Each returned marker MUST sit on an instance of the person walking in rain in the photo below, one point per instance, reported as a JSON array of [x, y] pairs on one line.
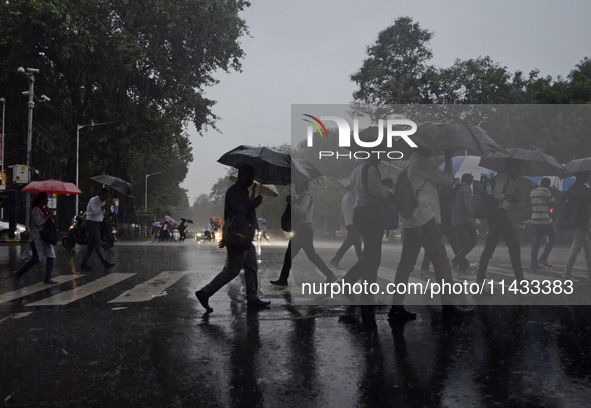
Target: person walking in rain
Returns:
[[303, 237], [507, 193], [542, 224], [463, 225], [353, 237], [421, 229], [38, 248], [182, 228], [579, 196], [95, 213], [237, 202], [366, 184]]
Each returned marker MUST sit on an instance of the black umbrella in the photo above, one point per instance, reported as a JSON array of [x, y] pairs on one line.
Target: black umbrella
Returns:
[[532, 163], [440, 137], [187, 220], [271, 167], [577, 166], [303, 171], [115, 183]]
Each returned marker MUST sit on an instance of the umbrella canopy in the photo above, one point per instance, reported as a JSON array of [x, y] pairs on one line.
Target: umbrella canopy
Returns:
[[561, 184], [271, 167], [171, 221], [533, 163], [187, 220], [468, 164], [216, 221], [264, 223], [303, 170], [51, 187], [268, 190], [115, 183], [439, 137], [157, 224], [577, 166]]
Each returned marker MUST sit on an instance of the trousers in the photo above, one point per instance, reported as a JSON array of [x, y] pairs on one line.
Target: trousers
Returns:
[[235, 261], [539, 231], [95, 243], [499, 227], [303, 238], [353, 239], [580, 241], [426, 236]]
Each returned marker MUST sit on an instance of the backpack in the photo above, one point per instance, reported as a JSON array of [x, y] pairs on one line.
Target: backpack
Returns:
[[238, 231], [405, 198], [385, 208], [483, 202], [565, 214]]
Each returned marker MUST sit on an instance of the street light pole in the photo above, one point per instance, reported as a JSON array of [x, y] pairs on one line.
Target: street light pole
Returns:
[[3, 100], [146, 190], [30, 75], [78, 127]]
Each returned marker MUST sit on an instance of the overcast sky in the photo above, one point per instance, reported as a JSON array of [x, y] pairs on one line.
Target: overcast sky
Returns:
[[304, 52]]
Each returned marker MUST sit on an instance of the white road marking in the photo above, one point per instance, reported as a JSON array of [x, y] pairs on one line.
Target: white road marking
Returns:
[[83, 291], [21, 315], [38, 287], [150, 289]]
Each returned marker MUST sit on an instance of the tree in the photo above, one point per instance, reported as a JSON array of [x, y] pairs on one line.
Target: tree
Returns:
[[396, 70], [141, 64]]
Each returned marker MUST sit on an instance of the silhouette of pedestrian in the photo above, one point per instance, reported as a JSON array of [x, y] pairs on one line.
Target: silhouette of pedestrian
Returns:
[[579, 196], [303, 237], [507, 193], [237, 202]]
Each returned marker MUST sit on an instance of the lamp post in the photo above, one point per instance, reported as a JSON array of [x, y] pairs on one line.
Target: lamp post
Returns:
[[29, 72], [3, 100], [78, 127], [146, 192]]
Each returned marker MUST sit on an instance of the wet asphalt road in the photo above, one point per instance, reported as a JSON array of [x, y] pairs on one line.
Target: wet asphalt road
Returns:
[[160, 350]]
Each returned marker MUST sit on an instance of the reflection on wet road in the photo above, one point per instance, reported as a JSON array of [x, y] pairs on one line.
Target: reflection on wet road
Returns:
[[161, 350]]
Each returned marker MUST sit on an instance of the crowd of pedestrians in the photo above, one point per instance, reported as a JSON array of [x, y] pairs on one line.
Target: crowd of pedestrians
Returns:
[[442, 211]]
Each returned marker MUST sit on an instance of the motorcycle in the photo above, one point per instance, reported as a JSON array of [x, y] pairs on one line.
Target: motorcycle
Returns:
[[78, 233]]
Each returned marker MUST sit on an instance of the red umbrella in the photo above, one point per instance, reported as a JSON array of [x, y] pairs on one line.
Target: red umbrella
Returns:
[[51, 187]]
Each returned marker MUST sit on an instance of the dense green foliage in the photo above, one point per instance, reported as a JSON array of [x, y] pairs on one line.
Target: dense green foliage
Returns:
[[142, 65]]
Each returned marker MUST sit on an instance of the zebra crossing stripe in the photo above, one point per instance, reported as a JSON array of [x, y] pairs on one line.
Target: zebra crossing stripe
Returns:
[[150, 289], [85, 290], [38, 287]]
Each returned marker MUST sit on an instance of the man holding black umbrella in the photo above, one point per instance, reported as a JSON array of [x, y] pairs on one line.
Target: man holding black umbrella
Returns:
[[95, 213], [237, 202]]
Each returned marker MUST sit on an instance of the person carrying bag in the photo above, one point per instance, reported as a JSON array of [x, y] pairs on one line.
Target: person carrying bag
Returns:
[[41, 225]]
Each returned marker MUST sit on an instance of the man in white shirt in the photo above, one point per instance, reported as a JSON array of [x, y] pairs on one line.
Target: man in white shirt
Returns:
[[421, 230], [95, 213]]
